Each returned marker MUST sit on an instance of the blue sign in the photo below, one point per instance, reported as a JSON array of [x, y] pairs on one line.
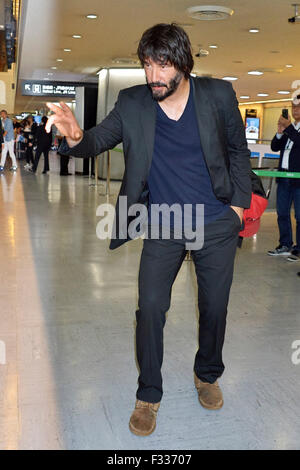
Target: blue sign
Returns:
[[252, 128]]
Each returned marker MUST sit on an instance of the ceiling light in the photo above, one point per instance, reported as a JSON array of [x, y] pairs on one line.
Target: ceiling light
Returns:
[[67, 50], [59, 60], [213, 46], [255, 72], [254, 30], [230, 78], [76, 36], [210, 12], [91, 17], [244, 97], [262, 94], [54, 68], [289, 66], [202, 53], [283, 92]]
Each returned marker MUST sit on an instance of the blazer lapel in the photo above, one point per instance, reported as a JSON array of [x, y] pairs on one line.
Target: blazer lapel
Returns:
[[207, 119], [148, 121]]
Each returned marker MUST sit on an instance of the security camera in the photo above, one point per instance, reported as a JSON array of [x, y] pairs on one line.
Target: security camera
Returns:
[[296, 18], [202, 53]]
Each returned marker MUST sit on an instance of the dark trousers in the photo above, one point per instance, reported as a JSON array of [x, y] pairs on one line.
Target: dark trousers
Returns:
[[160, 263], [38, 154], [64, 162], [29, 154], [287, 194]]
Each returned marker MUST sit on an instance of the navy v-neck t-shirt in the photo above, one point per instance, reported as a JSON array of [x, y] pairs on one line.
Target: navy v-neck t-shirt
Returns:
[[178, 172]]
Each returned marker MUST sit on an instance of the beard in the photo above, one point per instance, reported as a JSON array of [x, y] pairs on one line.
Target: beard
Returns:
[[168, 89]]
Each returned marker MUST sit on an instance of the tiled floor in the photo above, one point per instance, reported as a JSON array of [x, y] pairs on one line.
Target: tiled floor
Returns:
[[67, 319]]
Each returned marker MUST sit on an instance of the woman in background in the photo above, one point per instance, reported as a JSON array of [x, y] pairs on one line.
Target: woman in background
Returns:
[[29, 133], [43, 141]]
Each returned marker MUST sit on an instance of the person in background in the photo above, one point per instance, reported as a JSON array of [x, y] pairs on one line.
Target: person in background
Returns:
[[23, 123], [26, 134], [29, 133], [16, 123], [287, 140], [20, 142], [1, 136], [43, 140], [17, 126], [19, 134], [8, 146], [64, 159]]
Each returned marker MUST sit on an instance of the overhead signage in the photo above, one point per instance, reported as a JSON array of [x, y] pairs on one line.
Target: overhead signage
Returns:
[[51, 89]]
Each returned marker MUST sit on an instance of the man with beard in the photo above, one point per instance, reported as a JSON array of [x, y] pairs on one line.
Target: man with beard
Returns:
[[184, 143]]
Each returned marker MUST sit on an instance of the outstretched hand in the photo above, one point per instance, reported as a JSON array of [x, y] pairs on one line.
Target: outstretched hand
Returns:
[[65, 121]]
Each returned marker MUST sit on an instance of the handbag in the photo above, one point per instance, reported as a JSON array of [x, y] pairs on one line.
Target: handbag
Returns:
[[259, 203]]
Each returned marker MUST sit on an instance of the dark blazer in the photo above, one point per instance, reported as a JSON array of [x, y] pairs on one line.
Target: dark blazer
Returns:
[[132, 121], [294, 160]]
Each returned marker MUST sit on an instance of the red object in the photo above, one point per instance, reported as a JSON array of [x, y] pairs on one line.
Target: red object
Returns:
[[252, 215]]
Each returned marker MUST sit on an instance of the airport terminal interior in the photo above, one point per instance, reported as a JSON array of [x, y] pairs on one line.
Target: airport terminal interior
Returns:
[[68, 365]]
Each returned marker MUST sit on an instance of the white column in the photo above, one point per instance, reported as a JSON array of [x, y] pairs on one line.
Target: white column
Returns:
[[79, 114]]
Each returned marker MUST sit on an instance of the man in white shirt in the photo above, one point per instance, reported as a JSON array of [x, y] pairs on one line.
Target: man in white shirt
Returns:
[[287, 140]]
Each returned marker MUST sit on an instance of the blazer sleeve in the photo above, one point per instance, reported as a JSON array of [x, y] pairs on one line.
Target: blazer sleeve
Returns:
[[238, 152], [278, 144], [292, 134], [98, 139]]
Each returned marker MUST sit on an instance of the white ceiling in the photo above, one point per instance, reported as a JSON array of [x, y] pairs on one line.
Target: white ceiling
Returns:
[[48, 26]]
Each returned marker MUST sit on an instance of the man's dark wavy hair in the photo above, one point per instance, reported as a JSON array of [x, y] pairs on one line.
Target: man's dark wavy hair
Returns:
[[167, 43]]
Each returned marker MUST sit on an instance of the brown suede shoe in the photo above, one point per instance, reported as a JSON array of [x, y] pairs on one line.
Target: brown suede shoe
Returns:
[[143, 418], [210, 395]]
